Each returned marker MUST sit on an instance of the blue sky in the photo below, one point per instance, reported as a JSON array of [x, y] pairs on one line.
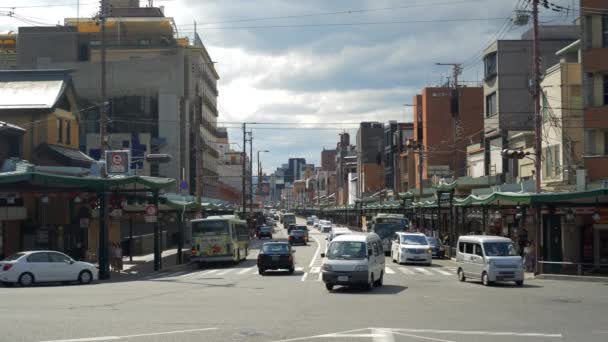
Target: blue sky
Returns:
[[323, 64]]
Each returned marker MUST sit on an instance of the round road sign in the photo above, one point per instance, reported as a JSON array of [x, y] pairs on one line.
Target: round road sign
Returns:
[[183, 185], [151, 210], [116, 159]]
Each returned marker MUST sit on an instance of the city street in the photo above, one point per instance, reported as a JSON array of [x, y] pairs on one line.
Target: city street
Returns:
[[234, 303]]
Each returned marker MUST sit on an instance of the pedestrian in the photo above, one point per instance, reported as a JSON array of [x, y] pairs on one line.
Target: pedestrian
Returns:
[[118, 257]]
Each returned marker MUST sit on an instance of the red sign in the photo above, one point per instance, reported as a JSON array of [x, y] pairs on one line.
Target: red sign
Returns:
[[151, 210]]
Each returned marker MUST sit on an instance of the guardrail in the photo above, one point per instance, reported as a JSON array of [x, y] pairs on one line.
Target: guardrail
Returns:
[[573, 268]]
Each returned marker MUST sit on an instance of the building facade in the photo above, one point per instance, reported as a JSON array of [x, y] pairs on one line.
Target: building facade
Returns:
[[370, 146]]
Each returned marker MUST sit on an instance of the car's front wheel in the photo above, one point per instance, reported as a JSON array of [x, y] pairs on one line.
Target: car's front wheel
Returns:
[[461, 276], [26, 279], [85, 277], [519, 283], [485, 280], [329, 287]]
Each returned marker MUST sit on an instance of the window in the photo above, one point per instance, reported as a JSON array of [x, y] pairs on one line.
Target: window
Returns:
[[144, 42], [468, 248], [375, 247], [548, 162], [491, 105], [461, 247], [59, 130], [605, 142], [38, 257], [605, 90], [590, 149], [490, 65], [95, 43], [478, 250], [58, 257], [605, 30], [68, 132]]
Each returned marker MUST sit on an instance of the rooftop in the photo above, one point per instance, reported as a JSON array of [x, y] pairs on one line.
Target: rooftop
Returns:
[[33, 89]]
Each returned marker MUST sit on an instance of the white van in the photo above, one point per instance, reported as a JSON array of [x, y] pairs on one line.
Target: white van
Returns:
[[411, 248], [490, 259], [335, 232], [354, 259]]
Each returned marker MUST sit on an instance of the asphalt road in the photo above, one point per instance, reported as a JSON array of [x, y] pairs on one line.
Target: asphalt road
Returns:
[[234, 303]]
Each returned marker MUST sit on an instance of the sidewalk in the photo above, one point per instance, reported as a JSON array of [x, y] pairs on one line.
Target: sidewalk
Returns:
[[143, 265]]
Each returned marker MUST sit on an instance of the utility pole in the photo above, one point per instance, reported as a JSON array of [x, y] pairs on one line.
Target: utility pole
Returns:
[[103, 119], [251, 172], [536, 94], [244, 169]]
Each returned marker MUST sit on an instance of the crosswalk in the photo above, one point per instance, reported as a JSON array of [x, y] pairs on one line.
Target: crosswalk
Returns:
[[306, 273]]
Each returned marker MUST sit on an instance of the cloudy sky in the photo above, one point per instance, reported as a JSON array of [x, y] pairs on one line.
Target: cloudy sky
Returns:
[[323, 64]]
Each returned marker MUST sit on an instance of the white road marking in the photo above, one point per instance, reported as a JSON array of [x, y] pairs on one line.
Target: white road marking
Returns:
[[312, 262], [423, 270], [471, 332], [245, 270], [337, 334], [256, 272], [115, 338], [320, 276], [422, 337], [226, 271], [315, 269], [389, 270], [382, 335], [304, 276], [299, 269], [442, 272], [209, 272], [406, 271]]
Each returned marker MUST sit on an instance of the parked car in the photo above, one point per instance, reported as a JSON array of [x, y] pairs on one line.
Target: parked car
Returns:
[[29, 268], [489, 259], [265, 231], [354, 259], [297, 236], [275, 256], [436, 247], [411, 248]]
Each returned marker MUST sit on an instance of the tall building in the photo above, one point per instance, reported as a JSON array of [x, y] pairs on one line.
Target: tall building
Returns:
[[445, 129], [295, 169], [594, 51], [370, 147], [161, 89], [508, 102], [395, 137], [346, 163], [328, 160]]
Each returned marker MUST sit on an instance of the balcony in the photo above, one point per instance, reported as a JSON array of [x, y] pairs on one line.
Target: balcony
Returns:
[[596, 167]]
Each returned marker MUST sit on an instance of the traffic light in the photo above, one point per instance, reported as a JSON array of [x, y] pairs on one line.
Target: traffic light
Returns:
[[514, 154]]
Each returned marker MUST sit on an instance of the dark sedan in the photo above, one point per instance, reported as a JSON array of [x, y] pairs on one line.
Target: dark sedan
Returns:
[[265, 232], [305, 229], [276, 256], [290, 228], [297, 236], [437, 247]]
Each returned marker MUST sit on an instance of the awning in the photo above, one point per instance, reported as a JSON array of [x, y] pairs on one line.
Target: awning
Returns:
[[64, 155]]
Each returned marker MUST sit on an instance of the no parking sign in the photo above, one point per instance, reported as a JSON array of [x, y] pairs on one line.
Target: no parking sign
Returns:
[[117, 162]]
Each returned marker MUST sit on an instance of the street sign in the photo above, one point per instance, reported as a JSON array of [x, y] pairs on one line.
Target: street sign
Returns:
[[183, 185], [117, 162], [151, 214]]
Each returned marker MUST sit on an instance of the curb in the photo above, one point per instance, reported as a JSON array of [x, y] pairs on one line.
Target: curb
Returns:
[[585, 279]]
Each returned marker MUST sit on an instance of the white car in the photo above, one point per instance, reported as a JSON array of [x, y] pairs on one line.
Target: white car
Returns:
[[28, 268], [335, 232], [411, 248]]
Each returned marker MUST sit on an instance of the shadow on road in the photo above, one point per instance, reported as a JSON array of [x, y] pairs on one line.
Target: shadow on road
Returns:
[[384, 290]]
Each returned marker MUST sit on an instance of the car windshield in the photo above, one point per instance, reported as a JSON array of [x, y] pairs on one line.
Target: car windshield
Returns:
[[297, 232], [499, 249], [386, 230], [347, 250], [14, 257], [276, 248], [302, 227], [414, 240], [432, 241], [265, 229]]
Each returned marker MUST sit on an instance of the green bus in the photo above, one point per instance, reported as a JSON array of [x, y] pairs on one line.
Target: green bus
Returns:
[[219, 239], [386, 225]]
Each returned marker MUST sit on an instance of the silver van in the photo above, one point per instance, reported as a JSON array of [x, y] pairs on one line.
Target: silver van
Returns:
[[354, 259], [489, 259]]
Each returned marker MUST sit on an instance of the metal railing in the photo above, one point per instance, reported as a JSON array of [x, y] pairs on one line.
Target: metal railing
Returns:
[[573, 268]]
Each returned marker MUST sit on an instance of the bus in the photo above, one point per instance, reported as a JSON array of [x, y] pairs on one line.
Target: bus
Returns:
[[289, 218], [386, 225], [219, 239]]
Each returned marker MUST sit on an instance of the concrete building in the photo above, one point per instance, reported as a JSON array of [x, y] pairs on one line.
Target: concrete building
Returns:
[[328, 160], [161, 88], [295, 169], [508, 103], [395, 138], [445, 127], [370, 146], [594, 46], [563, 132], [346, 163]]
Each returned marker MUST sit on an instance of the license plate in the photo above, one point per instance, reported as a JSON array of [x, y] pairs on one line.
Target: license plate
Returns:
[[275, 258], [342, 278]]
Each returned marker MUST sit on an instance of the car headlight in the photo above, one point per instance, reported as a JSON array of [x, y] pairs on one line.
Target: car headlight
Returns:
[[326, 267], [361, 268], [429, 251]]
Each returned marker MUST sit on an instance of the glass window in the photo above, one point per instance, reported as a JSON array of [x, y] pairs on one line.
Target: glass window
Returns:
[[461, 247], [68, 132], [500, 249], [468, 248], [346, 250], [14, 257], [415, 240], [375, 248], [58, 257], [605, 30], [590, 142], [59, 130], [490, 65], [210, 227], [606, 90], [491, 105], [276, 248], [478, 250], [38, 257]]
